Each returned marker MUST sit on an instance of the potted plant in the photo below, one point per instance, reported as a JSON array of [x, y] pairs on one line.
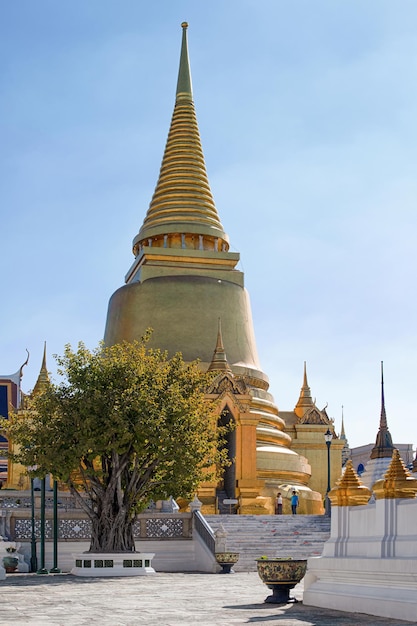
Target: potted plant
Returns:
[[280, 574], [10, 562]]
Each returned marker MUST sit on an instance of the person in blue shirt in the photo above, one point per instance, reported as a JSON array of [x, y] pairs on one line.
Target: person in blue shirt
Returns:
[[294, 502]]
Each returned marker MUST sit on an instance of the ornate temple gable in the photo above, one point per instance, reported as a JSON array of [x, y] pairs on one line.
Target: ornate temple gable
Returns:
[[315, 416], [225, 386], [227, 383]]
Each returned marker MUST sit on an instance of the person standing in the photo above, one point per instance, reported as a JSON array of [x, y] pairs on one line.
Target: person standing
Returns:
[[294, 502], [278, 506]]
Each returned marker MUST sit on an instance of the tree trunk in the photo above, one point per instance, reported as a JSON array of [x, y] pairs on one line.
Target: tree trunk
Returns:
[[112, 520], [112, 532]]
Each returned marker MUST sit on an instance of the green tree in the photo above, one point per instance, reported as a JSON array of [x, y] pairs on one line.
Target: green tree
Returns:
[[126, 425]]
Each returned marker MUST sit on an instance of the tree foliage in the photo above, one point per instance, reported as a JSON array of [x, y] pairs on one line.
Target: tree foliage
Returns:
[[126, 425]]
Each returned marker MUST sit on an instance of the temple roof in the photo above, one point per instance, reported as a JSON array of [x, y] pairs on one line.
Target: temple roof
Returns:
[[383, 445], [182, 201]]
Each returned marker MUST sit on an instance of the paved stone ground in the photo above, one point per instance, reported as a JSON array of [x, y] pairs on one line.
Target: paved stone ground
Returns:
[[160, 600]]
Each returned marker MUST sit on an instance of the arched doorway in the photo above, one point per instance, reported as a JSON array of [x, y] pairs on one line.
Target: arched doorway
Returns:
[[229, 477]]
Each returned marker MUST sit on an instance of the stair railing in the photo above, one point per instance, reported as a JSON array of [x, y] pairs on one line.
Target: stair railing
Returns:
[[205, 531]]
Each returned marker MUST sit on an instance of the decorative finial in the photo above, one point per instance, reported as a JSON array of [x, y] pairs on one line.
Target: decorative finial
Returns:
[[184, 87], [24, 364], [219, 361], [305, 383], [383, 414], [342, 432], [305, 400], [43, 378]]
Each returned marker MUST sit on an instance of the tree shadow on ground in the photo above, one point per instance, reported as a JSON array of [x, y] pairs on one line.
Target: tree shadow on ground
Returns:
[[34, 580]]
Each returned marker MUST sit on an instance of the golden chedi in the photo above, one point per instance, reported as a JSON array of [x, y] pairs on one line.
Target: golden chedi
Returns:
[[183, 280], [349, 491], [397, 482]]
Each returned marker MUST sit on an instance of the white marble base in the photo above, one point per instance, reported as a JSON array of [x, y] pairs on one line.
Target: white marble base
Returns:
[[113, 564], [369, 563], [382, 587], [175, 555]]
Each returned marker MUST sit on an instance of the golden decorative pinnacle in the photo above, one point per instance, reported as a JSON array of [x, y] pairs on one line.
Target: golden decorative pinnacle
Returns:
[[219, 361], [349, 491], [43, 378], [182, 203], [397, 482], [184, 24], [305, 401]]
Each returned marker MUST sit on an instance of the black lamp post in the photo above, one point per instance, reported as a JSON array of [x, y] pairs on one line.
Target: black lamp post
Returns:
[[328, 436], [55, 569], [33, 557], [42, 569]]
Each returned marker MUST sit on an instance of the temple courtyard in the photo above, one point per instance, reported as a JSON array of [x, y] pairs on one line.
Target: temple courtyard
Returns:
[[161, 599]]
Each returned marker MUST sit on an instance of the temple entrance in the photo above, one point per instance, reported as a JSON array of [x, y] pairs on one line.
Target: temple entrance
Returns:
[[227, 487]]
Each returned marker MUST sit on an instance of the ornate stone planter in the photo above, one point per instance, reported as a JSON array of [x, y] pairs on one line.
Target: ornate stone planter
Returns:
[[281, 575], [10, 564], [226, 560]]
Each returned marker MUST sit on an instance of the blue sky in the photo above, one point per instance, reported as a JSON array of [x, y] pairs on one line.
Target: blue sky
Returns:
[[307, 113]]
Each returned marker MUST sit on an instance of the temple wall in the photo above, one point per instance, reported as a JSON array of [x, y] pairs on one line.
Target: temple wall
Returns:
[[169, 535]]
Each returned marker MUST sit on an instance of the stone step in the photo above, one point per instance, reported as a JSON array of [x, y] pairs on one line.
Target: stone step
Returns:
[[253, 536]]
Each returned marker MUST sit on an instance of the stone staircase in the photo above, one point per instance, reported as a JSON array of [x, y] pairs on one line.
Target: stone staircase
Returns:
[[253, 536]]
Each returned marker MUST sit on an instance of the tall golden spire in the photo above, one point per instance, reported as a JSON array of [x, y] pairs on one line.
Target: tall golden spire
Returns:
[[43, 378], [182, 203], [383, 447], [305, 401]]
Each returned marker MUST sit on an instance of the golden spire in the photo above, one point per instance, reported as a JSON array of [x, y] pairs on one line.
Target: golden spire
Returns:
[[383, 447], [342, 432], [305, 400], [397, 482], [349, 491], [43, 378], [345, 450], [182, 203], [219, 361]]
